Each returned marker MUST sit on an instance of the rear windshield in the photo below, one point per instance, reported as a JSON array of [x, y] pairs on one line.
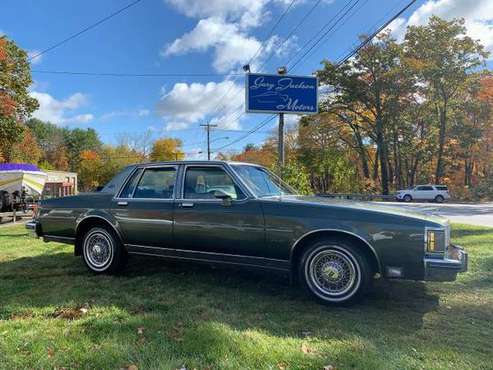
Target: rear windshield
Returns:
[[115, 183]]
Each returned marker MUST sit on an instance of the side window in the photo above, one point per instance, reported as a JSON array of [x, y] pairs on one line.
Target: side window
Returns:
[[423, 188], [129, 188], [157, 183], [202, 182]]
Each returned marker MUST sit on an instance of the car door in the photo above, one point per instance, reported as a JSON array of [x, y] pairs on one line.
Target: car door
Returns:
[[144, 207], [424, 192], [207, 224]]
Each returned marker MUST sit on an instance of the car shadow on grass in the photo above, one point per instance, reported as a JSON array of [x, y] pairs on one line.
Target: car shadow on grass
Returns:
[[237, 297]]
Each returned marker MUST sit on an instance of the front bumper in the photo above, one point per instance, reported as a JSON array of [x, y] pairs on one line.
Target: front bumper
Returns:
[[446, 269], [35, 227]]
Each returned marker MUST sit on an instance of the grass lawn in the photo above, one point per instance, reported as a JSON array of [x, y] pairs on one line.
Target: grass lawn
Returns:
[[55, 314]]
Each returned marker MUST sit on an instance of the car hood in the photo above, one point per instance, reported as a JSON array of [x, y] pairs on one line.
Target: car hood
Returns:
[[363, 206]]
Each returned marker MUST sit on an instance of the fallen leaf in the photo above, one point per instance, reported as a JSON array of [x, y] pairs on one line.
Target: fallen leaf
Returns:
[[132, 367], [282, 366], [329, 367], [140, 330], [305, 348], [51, 352]]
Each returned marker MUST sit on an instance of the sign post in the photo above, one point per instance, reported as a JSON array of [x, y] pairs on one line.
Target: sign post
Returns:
[[280, 94]]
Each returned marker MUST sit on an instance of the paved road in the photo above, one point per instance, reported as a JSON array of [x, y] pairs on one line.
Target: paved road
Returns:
[[472, 214]]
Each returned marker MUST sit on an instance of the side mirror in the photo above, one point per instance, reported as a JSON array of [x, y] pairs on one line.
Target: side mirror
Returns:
[[226, 198]]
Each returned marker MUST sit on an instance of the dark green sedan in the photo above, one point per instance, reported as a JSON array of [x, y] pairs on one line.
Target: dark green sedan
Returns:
[[242, 215]]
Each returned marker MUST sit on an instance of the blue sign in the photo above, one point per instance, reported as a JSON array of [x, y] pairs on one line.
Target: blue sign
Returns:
[[281, 94]]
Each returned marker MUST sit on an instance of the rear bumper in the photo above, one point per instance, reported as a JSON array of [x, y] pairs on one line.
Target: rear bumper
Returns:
[[35, 227], [448, 268]]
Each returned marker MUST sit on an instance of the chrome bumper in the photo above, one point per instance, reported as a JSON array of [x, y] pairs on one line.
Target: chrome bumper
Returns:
[[34, 226], [446, 269]]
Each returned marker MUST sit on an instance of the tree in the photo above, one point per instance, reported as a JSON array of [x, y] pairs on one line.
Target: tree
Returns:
[[78, 140], [27, 150], [442, 55], [16, 104], [369, 88], [167, 149], [263, 155]]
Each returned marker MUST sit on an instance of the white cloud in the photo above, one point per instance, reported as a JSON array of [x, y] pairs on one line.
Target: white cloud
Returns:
[[55, 111], [187, 104], [232, 47], [175, 125], [80, 118], [478, 17], [125, 113], [246, 12], [38, 59]]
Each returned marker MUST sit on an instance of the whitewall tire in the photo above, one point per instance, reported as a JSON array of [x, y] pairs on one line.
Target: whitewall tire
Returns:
[[335, 272], [102, 251]]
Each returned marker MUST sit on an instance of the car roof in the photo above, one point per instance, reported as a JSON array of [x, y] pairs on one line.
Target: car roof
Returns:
[[197, 162]]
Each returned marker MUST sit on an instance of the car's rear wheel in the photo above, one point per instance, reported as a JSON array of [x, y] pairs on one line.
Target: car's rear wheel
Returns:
[[407, 198], [335, 272], [439, 199], [102, 251]]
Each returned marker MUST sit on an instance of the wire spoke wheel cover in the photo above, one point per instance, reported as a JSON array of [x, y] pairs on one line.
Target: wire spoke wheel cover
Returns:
[[98, 249], [333, 273]]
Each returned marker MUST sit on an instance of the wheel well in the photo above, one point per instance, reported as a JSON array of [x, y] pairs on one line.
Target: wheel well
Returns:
[[363, 247], [84, 226]]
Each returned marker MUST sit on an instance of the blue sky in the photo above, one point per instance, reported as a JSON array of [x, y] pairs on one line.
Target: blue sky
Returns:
[[214, 37]]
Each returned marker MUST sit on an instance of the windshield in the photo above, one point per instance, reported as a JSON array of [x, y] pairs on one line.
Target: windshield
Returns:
[[262, 182]]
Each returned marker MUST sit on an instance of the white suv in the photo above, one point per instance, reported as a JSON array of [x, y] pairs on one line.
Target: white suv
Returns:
[[437, 193]]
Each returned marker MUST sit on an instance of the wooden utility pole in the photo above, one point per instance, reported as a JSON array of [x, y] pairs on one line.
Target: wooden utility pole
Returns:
[[208, 128], [280, 141]]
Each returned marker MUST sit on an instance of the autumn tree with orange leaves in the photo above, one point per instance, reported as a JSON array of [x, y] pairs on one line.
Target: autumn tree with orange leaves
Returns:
[[16, 104]]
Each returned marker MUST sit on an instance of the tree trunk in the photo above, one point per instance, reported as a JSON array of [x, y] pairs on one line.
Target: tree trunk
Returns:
[[441, 143]]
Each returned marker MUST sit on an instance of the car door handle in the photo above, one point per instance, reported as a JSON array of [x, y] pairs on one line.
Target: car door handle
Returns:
[[122, 204], [187, 204]]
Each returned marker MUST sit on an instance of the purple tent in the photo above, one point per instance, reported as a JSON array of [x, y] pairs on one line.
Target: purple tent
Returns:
[[18, 166]]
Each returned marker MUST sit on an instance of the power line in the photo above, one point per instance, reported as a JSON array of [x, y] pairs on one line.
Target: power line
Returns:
[[303, 19], [341, 62], [345, 12], [281, 17], [85, 29], [325, 39], [258, 127], [114, 74], [349, 7], [374, 34]]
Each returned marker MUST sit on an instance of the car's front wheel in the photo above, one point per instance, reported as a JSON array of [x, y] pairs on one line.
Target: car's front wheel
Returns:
[[102, 251], [335, 272], [439, 199]]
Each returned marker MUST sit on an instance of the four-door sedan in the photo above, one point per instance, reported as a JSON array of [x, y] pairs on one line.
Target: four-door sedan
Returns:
[[242, 215]]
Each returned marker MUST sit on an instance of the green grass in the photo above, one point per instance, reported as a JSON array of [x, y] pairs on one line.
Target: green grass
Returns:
[[55, 314]]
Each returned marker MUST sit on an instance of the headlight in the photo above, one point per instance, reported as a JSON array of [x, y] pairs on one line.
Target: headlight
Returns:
[[436, 240]]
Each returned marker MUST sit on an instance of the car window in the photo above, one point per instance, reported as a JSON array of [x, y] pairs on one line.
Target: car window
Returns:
[[116, 182], [157, 183], [423, 188], [129, 188], [441, 187], [262, 182], [203, 182]]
